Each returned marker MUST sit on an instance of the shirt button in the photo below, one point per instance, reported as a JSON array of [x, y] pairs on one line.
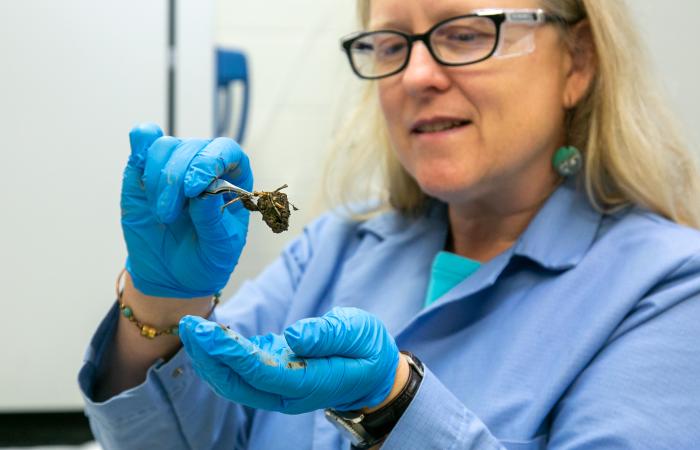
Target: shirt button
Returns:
[[177, 372]]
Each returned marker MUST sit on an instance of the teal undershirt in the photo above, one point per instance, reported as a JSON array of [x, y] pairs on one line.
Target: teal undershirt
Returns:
[[449, 269]]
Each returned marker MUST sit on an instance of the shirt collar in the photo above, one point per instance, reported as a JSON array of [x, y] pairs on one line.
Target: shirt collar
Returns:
[[557, 238], [562, 231]]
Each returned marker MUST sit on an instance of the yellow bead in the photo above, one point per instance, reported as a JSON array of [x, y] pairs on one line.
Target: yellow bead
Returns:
[[148, 332]]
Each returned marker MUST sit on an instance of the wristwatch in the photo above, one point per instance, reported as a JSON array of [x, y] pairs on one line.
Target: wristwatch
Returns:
[[366, 430]]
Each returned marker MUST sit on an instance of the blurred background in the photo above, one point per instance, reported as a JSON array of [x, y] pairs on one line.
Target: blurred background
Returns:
[[76, 75]]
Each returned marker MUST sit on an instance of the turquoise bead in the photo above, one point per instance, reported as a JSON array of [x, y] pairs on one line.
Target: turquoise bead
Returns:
[[127, 312], [174, 330]]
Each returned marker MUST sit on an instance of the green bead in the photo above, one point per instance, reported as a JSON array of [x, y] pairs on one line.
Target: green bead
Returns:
[[127, 312], [567, 161], [174, 330]]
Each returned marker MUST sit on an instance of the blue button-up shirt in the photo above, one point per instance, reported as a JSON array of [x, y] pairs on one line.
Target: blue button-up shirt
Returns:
[[583, 335]]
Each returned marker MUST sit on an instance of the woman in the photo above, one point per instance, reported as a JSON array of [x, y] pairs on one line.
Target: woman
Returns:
[[545, 304]]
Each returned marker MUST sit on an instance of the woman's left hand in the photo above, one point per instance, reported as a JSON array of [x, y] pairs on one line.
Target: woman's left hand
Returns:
[[345, 360]]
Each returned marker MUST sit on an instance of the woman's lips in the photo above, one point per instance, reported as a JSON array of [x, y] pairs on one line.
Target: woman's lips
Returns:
[[438, 125]]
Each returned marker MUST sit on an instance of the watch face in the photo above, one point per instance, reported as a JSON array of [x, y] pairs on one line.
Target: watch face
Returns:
[[346, 427], [353, 416]]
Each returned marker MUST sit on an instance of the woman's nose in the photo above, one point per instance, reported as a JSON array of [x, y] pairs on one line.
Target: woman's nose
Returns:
[[423, 72]]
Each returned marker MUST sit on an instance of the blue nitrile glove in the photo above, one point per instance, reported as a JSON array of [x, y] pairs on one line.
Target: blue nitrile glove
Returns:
[[345, 360], [181, 245]]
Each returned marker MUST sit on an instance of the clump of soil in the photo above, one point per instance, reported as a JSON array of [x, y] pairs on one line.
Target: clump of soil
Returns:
[[274, 207]]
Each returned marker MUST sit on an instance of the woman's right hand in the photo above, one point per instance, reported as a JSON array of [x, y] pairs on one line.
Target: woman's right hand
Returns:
[[179, 244]]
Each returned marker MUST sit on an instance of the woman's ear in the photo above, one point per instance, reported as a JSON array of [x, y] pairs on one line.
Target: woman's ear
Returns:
[[583, 63]]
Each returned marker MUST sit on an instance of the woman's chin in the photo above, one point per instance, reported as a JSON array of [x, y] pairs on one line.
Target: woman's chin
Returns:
[[448, 193]]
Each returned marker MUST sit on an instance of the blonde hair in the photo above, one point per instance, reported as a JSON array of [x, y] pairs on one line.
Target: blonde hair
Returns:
[[633, 151]]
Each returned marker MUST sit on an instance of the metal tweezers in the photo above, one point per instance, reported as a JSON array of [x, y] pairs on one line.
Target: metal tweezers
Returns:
[[220, 186]]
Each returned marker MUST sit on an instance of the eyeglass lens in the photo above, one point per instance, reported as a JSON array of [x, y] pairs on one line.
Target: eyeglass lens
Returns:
[[459, 41]]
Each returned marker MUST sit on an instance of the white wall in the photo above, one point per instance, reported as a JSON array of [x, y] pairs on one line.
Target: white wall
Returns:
[[671, 32], [298, 74], [76, 74]]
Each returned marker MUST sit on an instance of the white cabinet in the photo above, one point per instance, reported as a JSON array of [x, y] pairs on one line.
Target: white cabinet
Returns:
[[75, 75]]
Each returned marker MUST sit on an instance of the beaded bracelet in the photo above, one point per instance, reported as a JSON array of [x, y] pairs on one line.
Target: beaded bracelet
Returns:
[[148, 331]]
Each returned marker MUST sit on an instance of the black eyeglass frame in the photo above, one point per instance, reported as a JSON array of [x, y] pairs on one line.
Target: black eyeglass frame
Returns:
[[497, 17]]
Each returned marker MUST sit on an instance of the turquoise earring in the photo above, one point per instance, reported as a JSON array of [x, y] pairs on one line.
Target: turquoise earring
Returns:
[[567, 161]]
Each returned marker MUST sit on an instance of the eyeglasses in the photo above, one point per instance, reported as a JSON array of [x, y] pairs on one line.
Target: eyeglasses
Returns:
[[457, 41]]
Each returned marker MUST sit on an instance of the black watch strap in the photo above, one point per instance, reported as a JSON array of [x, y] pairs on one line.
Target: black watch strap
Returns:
[[379, 423]]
